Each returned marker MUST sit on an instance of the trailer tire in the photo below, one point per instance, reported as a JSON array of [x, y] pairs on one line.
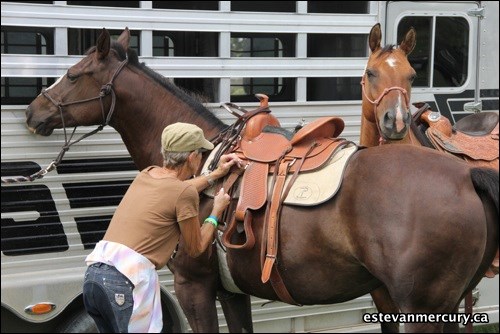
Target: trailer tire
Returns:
[[81, 322]]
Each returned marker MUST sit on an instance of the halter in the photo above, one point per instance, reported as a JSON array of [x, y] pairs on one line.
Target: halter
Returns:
[[105, 90], [377, 101]]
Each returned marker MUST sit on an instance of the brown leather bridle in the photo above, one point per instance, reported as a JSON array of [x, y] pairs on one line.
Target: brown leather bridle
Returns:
[[105, 90]]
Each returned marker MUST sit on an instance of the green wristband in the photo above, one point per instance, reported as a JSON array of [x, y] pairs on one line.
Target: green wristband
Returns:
[[211, 221]]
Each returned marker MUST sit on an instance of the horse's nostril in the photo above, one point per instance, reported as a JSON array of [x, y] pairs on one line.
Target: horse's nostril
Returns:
[[28, 113], [388, 121], [407, 116]]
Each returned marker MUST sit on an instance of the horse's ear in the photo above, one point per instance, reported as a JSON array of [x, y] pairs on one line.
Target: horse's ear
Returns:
[[103, 44], [409, 42], [375, 37], [124, 38]]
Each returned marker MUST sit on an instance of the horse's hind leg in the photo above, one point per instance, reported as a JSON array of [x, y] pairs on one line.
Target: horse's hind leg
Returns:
[[237, 311], [385, 304], [452, 327]]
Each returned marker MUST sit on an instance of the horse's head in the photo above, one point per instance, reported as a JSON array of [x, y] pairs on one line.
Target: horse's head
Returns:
[[82, 96], [386, 85]]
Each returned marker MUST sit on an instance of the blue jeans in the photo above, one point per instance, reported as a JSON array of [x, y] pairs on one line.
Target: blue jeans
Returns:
[[107, 296]]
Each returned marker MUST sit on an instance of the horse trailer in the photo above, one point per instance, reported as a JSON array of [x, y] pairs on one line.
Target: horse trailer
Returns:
[[307, 56]]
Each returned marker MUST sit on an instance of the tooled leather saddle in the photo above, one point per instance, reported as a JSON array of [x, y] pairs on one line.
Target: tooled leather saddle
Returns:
[[281, 158], [473, 138]]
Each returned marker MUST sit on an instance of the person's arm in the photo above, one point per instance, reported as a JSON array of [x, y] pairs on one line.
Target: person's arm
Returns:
[[198, 239], [225, 163]]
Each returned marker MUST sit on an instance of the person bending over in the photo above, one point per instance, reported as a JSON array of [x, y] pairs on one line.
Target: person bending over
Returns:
[[121, 290]]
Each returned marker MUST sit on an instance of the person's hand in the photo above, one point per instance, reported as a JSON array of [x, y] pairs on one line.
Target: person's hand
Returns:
[[221, 201], [226, 161]]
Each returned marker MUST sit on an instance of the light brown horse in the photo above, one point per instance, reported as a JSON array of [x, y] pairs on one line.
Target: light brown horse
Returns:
[[387, 118], [371, 234], [386, 88], [386, 114]]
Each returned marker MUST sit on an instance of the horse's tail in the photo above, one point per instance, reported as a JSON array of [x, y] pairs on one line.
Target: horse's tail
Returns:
[[485, 182]]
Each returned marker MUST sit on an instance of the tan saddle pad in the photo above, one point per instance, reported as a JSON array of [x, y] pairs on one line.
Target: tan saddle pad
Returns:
[[310, 188]]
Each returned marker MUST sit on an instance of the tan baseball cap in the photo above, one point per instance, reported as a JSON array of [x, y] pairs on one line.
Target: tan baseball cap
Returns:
[[184, 137]]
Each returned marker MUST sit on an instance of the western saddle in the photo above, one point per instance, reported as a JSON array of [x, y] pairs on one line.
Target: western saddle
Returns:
[[271, 151], [474, 138]]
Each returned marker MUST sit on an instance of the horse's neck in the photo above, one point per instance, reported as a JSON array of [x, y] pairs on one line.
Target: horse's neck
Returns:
[[143, 111], [369, 135]]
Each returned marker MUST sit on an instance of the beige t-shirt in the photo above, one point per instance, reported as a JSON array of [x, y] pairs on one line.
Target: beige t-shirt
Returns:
[[147, 218]]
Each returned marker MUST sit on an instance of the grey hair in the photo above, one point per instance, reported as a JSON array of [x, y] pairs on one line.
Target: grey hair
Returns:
[[175, 160]]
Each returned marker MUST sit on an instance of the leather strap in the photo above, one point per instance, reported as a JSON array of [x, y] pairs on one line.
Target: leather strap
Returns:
[[270, 269], [274, 211], [280, 288]]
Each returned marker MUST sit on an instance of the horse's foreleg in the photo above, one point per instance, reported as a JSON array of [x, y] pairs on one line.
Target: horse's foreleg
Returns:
[[385, 304], [195, 283], [237, 311], [197, 300]]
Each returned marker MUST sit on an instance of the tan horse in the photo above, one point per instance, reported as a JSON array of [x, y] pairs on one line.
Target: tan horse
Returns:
[[386, 88], [387, 117]]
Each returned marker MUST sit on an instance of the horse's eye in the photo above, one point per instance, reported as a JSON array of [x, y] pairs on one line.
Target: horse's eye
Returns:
[[71, 77], [412, 78], [370, 74]]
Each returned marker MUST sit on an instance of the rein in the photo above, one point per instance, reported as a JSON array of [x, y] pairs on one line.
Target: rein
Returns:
[[106, 90], [377, 101]]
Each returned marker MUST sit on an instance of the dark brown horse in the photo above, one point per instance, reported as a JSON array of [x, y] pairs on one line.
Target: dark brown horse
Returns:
[[372, 234]]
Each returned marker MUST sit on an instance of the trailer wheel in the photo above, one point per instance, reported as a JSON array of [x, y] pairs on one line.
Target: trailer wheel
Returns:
[[81, 322]]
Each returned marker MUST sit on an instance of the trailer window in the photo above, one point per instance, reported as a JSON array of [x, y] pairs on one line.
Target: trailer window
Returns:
[[337, 45], [130, 4], [262, 45], [447, 55], [38, 2], [354, 7], [192, 5], [79, 40], [185, 44], [23, 90], [333, 89], [264, 6], [27, 40]]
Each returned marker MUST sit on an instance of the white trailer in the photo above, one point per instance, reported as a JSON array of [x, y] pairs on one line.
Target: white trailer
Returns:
[[308, 56]]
